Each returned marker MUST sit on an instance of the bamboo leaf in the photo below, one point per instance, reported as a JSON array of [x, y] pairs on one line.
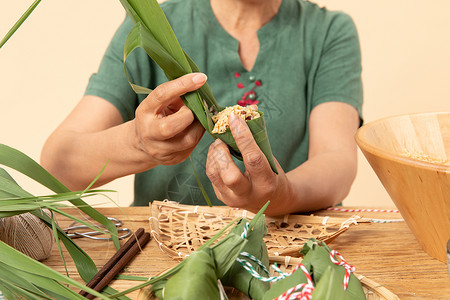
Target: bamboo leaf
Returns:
[[46, 285], [200, 185], [110, 291], [17, 160], [93, 227], [58, 244], [285, 284], [150, 14], [153, 33], [240, 278], [84, 264], [9, 187], [205, 91], [12, 291], [10, 214], [17, 260], [141, 37], [19, 22], [330, 287], [131, 277], [10, 276], [198, 274], [96, 178], [317, 254]]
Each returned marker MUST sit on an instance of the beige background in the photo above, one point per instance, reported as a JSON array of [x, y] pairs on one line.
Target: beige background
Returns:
[[46, 65]]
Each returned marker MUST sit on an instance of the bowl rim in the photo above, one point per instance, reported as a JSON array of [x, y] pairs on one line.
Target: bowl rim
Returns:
[[364, 146]]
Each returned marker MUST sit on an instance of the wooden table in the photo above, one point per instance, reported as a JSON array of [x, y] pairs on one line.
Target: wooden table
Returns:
[[387, 253]]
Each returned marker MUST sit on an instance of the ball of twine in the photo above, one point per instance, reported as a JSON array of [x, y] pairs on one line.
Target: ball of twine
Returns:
[[28, 234]]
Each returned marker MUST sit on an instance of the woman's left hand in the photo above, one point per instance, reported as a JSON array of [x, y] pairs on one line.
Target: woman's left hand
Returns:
[[257, 185]]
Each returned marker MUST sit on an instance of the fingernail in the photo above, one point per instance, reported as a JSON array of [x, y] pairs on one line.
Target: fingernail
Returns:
[[199, 78], [233, 118]]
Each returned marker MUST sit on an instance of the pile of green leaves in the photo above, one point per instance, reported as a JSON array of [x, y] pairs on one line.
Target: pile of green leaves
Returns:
[[19, 274], [153, 33]]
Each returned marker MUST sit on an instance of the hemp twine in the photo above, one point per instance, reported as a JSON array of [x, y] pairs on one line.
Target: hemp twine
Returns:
[[27, 234]]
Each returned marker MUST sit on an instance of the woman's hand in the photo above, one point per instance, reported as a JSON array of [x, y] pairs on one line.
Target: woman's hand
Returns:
[[323, 180], [164, 131], [258, 184], [165, 128]]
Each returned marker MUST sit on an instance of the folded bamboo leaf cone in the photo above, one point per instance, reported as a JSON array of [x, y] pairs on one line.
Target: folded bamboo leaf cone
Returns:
[[28, 234]]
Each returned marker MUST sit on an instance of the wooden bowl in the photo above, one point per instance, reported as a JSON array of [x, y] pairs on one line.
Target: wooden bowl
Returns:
[[411, 156]]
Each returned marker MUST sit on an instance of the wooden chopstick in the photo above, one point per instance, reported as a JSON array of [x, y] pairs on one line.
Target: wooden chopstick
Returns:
[[116, 263]]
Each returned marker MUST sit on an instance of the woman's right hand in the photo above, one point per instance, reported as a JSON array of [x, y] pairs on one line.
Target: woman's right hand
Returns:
[[163, 132], [165, 128]]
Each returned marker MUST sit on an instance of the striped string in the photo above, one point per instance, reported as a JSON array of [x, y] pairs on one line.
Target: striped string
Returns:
[[370, 210], [256, 260], [302, 291], [245, 232], [386, 220], [248, 266], [363, 210], [348, 268]]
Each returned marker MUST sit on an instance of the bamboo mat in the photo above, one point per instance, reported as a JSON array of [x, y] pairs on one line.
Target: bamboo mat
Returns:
[[387, 253]]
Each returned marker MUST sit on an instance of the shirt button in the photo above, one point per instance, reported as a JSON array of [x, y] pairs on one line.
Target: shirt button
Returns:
[[252, 78], [252, 96]]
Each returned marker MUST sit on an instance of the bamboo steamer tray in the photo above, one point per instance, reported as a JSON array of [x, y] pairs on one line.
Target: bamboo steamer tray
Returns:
[[411, 156], [373, 290], [181, 229]]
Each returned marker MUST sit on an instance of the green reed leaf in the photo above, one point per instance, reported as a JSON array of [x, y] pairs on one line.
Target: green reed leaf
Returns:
[[153, 33], [84, 264], [58, 244], [240, 278], [19, 22], [150, 14], [317, 255], [18, 161], [10, 277], [198, 274], [38, 273], [330, 287], [200, 185]]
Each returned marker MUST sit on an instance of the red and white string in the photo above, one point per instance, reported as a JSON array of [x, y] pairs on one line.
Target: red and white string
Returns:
[[348, 268], [375, 210], [363, 210], [302, 291]]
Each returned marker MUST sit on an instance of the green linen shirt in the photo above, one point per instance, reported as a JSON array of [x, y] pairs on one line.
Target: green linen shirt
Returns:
[[308, 55]]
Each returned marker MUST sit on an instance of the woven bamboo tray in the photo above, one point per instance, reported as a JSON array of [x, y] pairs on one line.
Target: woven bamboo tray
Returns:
[[181, 229]]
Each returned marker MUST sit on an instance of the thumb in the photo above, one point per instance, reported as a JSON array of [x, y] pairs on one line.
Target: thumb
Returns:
[[166, 93]]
